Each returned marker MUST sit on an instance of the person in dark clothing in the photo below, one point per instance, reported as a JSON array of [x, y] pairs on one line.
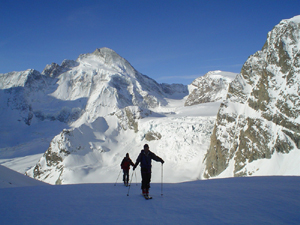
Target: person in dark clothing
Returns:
[[125, 165], [144, 159]]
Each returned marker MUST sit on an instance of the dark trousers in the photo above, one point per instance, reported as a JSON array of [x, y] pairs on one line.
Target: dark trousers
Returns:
[[146, 178], [126, 176]]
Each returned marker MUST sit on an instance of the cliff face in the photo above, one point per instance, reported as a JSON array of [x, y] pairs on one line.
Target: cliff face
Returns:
[[261, 113]]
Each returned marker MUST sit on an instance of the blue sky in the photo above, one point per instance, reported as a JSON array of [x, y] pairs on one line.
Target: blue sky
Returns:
[[169, 41]]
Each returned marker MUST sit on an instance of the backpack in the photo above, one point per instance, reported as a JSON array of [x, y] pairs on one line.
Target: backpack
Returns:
[[125, 164]]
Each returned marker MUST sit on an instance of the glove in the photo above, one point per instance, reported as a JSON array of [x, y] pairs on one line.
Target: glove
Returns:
[[162, 161]]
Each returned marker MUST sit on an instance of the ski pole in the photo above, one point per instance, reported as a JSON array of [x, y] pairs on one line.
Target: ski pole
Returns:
[[117, 178], [161, 179], [130, 183], [135, 179]]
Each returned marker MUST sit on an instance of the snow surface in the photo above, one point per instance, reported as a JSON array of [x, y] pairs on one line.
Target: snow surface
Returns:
[[222, 74], [247, 200], [295, 19], [21, 164], [10, 178]]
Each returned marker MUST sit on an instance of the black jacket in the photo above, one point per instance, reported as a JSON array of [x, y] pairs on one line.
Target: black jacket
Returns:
[[145, 160]]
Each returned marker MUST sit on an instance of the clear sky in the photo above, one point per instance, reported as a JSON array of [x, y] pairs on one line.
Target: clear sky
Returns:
[[170, 41]]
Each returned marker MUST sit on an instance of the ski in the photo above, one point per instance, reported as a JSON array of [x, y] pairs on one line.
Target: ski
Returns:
[[147, 197]]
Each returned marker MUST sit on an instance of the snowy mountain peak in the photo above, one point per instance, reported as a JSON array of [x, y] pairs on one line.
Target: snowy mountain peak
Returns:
[[107, 81], [109, 59], [295, 19], [211, 87], [109, 55]]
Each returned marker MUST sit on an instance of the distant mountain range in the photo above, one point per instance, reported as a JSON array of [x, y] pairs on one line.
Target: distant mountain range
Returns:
[[85, 115]]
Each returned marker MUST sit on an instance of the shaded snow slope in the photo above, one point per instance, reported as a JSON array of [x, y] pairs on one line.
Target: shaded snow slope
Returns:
[[255, 200], [10, 178]]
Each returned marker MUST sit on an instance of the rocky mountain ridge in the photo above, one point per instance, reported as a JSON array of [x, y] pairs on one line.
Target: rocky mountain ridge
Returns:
[[260, 116]]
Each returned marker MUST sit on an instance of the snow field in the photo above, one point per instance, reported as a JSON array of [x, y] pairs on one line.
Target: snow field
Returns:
[[252, 200]]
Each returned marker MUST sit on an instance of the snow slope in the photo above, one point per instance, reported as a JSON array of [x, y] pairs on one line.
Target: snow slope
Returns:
[[247, 200], [10, 178]]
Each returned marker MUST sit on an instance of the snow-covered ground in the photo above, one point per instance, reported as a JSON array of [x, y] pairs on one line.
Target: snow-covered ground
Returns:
[[247, 200]]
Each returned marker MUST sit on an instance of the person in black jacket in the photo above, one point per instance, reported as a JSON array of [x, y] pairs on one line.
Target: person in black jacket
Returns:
[[144, 159], [125, 165]]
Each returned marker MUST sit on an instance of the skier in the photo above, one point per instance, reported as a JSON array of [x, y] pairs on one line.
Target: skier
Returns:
[[125, 165], [145, 159]]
